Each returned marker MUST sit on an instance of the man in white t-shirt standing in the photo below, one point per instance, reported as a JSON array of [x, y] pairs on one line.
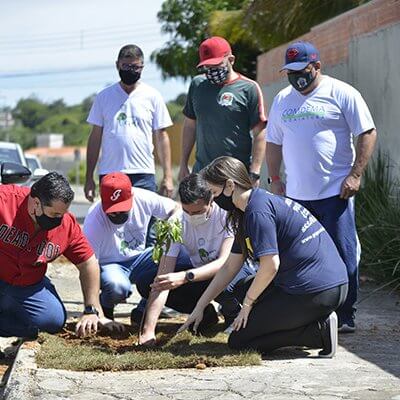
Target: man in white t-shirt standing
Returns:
[[311, 127], [116, 228], [125, 117], [208, 244]]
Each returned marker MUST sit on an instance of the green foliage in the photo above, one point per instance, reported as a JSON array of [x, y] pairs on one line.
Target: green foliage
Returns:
[[167, 232], [378, 220], [33, 116], [251, 26], [187, 23]]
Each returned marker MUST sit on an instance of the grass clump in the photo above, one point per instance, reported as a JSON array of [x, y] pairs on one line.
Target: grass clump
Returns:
[[378, 221], [119, 353]]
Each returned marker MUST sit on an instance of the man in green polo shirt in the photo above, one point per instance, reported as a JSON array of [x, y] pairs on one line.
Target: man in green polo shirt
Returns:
[[224, 113]]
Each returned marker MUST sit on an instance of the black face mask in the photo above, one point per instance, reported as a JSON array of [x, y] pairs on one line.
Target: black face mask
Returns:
[[47, 223], [301, 80], [129, 77], [225, 202], [119, 218]]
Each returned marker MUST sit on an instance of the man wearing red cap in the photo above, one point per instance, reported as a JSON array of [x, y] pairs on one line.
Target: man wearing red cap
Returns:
[[222, 109], [116, 228], [312, 125]]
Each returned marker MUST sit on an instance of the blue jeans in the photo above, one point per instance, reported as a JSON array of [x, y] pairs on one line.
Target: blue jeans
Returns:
[[26, 310], [117, 278], [184, 298], [338, 218]]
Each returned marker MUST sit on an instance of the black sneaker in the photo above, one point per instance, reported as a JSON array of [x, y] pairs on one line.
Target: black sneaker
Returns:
[[136, 316], [347, 326], [108, 312], [329, 332]]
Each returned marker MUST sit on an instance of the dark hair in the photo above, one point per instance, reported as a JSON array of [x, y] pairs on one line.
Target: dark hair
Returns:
[[217, 173], [131, 50], [52, 186], [194, 188]]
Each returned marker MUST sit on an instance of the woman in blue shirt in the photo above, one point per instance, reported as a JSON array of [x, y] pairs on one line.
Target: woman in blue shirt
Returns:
[[301, 280]]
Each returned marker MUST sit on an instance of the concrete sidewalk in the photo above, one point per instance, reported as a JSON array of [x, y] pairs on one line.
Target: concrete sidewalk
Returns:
[[367, 365]]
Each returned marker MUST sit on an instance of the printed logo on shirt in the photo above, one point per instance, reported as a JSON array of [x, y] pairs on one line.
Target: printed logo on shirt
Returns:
[[304, 113], [310, 220], [124, 120], [226, 99], [116, 195], [207, 256]]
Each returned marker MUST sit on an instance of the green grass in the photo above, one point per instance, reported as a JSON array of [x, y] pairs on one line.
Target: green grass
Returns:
[[101, 353], [378, 221]]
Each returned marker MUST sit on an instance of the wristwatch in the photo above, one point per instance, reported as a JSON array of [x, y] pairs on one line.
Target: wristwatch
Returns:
[[189, 276], [90, 309], [254, 176], [274, 178]]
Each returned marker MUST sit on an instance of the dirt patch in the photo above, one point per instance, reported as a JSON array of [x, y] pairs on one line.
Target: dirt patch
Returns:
[[119, 352]]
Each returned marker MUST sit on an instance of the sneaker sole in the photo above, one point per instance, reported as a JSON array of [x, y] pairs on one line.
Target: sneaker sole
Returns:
[[346, 329], [333, 329]]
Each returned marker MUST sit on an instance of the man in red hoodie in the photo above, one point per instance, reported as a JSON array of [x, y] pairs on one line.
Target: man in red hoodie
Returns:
[[36, 228]]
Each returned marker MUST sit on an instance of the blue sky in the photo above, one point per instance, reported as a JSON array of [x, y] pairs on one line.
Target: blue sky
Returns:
[[67, 48]]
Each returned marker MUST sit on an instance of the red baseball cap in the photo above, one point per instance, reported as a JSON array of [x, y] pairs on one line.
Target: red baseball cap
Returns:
[[213, 50], [116, 193]]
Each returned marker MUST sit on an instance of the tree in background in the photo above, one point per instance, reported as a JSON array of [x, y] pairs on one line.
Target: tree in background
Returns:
[[251, 26]]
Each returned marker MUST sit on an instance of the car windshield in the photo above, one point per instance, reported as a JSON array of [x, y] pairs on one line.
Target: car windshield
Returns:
[[9, 155], [32, 164]]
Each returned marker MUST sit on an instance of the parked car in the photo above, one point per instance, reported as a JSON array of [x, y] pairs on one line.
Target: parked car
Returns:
[[12, 152], [35, 167]]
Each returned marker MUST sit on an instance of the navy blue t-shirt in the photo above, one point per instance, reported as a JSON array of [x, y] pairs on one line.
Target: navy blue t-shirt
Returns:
[[309, 260]]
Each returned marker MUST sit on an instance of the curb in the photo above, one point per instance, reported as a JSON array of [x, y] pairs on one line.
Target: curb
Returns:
[[19, 384]]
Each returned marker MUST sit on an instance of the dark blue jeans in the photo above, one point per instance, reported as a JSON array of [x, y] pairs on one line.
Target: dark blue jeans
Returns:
[[338, 218], [26, 310], [144, 181]]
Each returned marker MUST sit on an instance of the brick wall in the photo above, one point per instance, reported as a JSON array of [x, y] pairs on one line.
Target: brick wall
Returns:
[[332, 37]]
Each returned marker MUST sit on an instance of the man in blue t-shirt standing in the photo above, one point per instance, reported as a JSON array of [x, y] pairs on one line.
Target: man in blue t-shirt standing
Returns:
[[311, 127]]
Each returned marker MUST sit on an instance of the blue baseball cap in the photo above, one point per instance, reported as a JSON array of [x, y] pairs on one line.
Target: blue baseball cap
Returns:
[[298, 55]]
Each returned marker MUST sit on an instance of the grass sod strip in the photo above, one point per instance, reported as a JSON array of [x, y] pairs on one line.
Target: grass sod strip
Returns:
[[119, 352]]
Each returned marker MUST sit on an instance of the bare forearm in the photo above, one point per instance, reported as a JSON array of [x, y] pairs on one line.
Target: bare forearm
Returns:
[[269, 266], [93, 150], [89, 276], [257, 153], [274, 158], [163, 148], [221, 279], [188, 139], [364, 149]]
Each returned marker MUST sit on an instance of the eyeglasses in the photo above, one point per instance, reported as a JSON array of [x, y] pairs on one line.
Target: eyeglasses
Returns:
[[132, 67]]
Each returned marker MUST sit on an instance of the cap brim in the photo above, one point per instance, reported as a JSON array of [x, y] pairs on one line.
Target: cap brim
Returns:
[[211, 61], [122, 206], [296, 66]]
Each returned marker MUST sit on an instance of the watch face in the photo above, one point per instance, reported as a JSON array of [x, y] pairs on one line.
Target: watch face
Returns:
[[190, 276], [90, 310]]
